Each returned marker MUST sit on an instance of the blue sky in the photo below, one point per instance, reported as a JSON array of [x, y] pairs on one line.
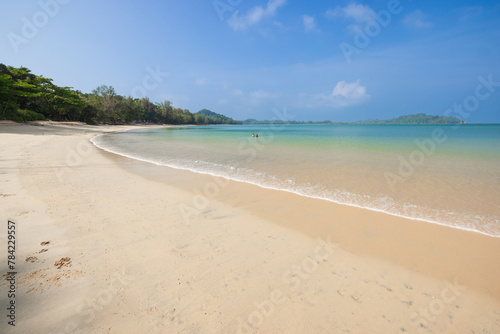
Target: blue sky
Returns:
[[318, 60]]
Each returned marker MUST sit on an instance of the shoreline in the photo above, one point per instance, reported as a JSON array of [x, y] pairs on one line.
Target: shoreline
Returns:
[[337, 202], [395, 238], [249, 259]]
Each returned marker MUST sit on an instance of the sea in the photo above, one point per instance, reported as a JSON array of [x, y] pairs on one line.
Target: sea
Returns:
[[441, 174]]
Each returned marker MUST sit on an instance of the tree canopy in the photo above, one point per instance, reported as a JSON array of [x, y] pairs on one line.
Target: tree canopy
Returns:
[[25, 96]]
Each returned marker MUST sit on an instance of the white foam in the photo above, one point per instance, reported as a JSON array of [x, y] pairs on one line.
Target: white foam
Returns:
[[340, 197]]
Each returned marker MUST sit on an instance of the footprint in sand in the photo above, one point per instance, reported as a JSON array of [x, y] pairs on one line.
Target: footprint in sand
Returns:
[[356, 299], [63, 262]]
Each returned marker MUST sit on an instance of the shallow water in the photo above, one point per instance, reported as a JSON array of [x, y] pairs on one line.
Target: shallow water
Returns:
[[443, 174]]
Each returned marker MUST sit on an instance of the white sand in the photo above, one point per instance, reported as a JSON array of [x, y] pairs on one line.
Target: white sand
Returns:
[[259, 262]]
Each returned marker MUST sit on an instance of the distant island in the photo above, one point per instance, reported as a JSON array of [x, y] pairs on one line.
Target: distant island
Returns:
[[406, 119], [415, 119]]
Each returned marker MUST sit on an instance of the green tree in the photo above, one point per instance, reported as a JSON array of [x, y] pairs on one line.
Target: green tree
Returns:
[[166, 111], [150, 110], [105, 101], [131, 109], [26, 96]]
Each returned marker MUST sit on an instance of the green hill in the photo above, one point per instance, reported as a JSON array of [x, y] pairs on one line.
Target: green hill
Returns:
[[415, 119], [406, 119], [206, 116]]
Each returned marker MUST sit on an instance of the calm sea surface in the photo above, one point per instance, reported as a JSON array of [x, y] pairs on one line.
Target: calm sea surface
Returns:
[[443, 174]]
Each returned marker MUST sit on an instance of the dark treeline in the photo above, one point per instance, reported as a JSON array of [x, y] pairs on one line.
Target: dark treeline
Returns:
[[25, 96]]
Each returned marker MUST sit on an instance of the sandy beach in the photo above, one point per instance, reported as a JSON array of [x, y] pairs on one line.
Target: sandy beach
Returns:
[[107, 244]]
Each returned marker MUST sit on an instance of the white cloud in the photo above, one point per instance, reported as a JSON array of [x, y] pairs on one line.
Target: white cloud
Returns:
[[349, 90], [417, 20], [255, 15], [309, 23], [344, 94], [237, 92], [359, 13]]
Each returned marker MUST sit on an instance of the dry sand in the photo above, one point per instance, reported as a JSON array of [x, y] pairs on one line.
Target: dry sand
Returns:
[[106, 244]]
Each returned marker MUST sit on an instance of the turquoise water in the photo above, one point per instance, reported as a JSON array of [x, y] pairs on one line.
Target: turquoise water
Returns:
[[443, 174]]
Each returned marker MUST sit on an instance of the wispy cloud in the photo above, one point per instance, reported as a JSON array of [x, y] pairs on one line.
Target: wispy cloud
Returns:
[[201, 81], [309, 23], [258, 98], [255, 15], [356, 12], [344, 94], [468, 13], [260, 94], [417, 20]]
